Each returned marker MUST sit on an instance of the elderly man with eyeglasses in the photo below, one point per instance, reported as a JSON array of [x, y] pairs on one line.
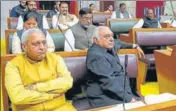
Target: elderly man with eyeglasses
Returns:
[[79, 37]]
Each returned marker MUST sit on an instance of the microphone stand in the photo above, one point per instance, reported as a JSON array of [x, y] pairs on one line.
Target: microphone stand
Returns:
[[125, 69], [63, 33]]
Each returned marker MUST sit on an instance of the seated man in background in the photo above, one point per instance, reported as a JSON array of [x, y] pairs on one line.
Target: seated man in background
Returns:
[[41, 19], [30, 21], [148, 22], [110, 9], [55, 10], [79, 37], [64, 20], [37, 80], [19, 9], [105, 85], [121, 13], [92, 8]]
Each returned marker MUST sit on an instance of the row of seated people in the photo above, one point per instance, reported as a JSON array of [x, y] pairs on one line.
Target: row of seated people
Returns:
[[94, 54], [43, 87], [64, 20], [146, 38], [60, 16], [64, 17], [170, 36], [82, 41], [74, 40], [77, 41]]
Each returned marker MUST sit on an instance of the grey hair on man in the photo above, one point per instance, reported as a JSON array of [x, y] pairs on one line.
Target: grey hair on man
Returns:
[[25, 36], [96, 34]]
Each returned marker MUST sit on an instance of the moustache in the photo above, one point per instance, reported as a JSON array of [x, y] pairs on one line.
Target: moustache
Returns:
[[34, 10]]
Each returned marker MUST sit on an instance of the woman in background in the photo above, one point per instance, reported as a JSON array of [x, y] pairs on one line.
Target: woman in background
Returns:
[[30, 21]]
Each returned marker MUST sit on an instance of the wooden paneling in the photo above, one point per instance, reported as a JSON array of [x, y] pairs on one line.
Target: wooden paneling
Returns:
[[166, 70]]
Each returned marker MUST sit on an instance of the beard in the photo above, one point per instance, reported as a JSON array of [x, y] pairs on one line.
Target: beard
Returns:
[[149, 18], [86, 26], [34, 10]]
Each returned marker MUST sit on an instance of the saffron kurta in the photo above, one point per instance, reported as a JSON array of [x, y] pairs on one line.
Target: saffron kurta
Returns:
[[50, 76]]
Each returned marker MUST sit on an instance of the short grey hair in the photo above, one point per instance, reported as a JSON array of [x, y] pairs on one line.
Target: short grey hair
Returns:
[[25, 36], [96, 33]]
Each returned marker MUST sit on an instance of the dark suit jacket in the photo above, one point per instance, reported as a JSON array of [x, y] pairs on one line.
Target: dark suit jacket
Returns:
[[106, 76], [51, 13], [17, 11]]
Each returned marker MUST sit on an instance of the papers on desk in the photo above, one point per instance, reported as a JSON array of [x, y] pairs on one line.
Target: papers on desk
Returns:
[[173, 23], [153, 99], [150, 99], [119, 107]]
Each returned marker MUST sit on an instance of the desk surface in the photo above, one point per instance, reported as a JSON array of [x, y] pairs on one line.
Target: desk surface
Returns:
[[165, 52], [165, 106]]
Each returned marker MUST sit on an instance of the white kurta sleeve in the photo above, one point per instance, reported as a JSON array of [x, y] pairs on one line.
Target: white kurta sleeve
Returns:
[[113, 15], [139, 24], [71, 41], [20, 23], [16, 44], [50, 43]]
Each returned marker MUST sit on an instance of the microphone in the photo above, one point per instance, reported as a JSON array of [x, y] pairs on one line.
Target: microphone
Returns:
[[63, 33], [125, 69], [65, 38]]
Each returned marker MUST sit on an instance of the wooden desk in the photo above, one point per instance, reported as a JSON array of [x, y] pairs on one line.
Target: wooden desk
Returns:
[[165, 25], [151, 34], [165, 106], [166, 70]]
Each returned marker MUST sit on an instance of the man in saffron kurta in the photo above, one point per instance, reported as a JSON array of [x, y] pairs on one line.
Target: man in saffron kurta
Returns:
[[37, 80]]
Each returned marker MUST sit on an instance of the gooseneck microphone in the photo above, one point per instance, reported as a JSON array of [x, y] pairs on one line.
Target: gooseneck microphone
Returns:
[[124, 90], [63, 33]]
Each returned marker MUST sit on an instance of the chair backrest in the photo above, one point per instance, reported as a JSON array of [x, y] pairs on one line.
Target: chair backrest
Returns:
[[100, 17], [58, 39], [77, 66], [121, 25], [12, 22], [155, 37], [43, 12], [76, 63], [57, 36]]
